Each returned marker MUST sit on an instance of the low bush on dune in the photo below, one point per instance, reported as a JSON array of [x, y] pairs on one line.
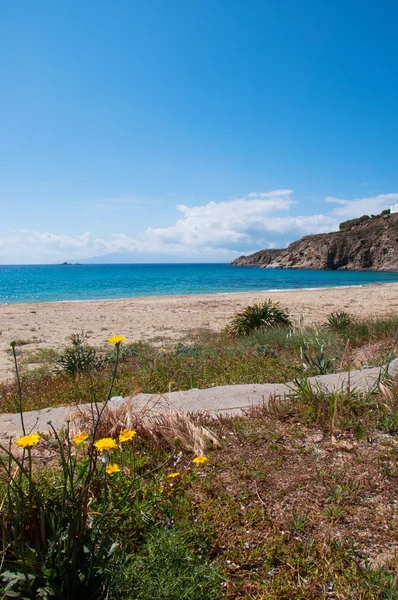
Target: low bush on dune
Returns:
[[80, 358], [268, 315], [339, 321]]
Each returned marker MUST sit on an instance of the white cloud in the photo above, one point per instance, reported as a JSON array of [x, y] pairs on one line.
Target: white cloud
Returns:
[[239, 223], [210, 231], [219, 223], [370, 205], [27, 246]]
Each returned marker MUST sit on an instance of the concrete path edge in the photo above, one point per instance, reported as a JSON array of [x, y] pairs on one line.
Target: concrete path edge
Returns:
[[230, 399]]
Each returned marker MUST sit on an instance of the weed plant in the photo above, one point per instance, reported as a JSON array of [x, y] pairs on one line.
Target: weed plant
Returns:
[[257, 317], [64, 530], [339, 321], [80, 358]]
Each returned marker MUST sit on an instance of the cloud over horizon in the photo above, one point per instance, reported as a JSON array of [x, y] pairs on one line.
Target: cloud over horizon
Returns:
[[211, 231]]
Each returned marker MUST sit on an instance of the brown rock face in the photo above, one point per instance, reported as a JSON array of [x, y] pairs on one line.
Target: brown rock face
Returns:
[[372, 245], [258, 259]]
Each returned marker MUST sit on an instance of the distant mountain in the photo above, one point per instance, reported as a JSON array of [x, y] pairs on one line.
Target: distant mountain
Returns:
[[145, 258], [370, 244]]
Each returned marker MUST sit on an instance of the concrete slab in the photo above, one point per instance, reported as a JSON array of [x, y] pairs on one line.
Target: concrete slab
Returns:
[[230, 399]]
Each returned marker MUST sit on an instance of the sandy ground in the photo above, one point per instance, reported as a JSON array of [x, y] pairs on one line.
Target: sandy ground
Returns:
[[169, 319]]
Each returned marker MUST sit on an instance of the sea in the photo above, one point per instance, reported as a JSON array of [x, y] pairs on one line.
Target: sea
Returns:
[[61, 283]]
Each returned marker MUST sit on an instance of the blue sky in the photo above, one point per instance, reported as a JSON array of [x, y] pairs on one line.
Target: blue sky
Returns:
[[191, 129]]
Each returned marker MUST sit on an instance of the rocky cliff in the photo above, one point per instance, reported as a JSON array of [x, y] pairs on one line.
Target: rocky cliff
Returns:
[[372, 245]]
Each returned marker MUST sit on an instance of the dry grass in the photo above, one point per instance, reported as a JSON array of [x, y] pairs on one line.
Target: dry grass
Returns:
[[166, 429], [295, 515]]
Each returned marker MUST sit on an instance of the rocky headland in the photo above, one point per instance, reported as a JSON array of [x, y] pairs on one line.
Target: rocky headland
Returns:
[[368, 245]]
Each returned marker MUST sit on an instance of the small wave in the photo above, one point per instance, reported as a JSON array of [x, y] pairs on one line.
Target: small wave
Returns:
[[325, 287]]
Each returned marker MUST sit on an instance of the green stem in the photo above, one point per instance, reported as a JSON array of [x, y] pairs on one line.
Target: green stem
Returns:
[[134, 480], [19, 386], [108, 397]]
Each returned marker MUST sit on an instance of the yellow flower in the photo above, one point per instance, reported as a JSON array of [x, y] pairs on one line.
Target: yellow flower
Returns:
[[105, 444], [27, 441], [116, 339], [200, 460], [126, 435], [79, 438], [172, 475], [110, 469]]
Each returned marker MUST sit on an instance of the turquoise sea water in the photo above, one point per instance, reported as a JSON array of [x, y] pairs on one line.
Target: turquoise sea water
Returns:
[[44, 283]]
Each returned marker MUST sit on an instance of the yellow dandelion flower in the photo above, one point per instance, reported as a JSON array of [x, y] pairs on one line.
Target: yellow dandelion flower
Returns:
[[105, 444], [79, 438], [126, 435], [110, 469], [27, 441], [200, 460], [172, 475], [116, 339]]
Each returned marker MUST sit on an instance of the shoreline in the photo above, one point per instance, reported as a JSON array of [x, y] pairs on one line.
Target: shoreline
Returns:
[[204, 294], [168, 320]]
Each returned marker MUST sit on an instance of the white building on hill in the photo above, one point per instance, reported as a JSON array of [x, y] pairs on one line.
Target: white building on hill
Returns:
[[394, 208]]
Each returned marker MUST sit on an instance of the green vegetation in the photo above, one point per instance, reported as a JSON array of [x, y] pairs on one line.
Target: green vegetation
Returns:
[[296, 500], [290, 522], [265, 356], [80, 358], [268, 315], [347, 225], [168, 567], [339, 321], [70, 531]]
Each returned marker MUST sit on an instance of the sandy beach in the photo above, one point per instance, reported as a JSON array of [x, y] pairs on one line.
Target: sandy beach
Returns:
[[171, 319]]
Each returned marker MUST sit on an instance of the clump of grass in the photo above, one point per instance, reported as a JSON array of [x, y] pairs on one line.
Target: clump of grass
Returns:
[[80, 358], [168, 430], [167, 568], [268, 315], [344, 409], [51, 546], [315, 364], [43, 356], [339, 321]]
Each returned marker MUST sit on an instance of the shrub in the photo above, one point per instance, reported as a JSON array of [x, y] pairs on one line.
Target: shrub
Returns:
[[259, 316], [339, 321], [80, 358], [346, 225]]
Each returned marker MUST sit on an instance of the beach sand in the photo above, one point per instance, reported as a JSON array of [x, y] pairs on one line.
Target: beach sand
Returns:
[[167, 320]]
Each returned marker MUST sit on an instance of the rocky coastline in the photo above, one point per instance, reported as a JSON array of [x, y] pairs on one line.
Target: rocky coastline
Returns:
[[371, 245]]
